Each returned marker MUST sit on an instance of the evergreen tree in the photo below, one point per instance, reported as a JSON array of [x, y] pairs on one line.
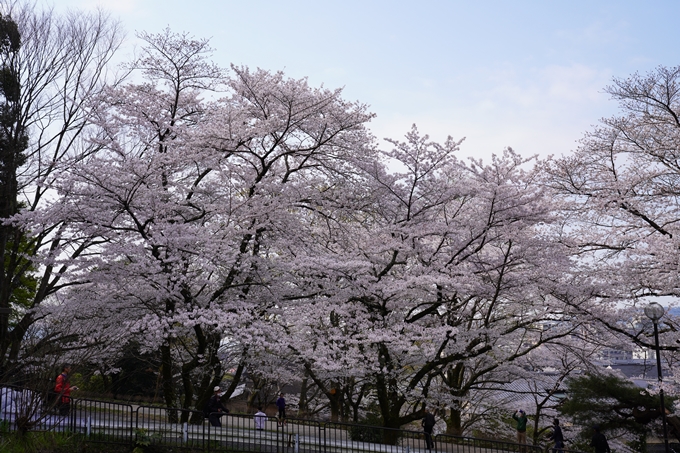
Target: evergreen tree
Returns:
[[13, 143], [614, 404]]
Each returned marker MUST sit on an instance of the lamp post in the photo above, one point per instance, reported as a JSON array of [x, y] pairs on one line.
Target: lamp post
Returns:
[[654, 312]]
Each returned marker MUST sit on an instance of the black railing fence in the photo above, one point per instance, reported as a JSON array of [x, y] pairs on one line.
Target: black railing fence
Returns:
[[103, 421], [110, 422]]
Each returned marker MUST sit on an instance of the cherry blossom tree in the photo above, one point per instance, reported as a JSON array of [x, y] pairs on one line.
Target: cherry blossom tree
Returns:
[[618, 194], [436, 277], [240, 217], [193, 196]]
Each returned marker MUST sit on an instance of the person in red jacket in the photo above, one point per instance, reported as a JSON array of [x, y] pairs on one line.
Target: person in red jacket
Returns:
[[63, 388]]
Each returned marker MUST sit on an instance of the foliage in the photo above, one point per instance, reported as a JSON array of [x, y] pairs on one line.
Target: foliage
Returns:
[[193, 203], [265, 230], [612, 402], [52, 66], [24, 290], [366, 433], [437, 281], [51, 442], [369, 430], [13, 144], [205, 223], [618, 194], [142, 438]]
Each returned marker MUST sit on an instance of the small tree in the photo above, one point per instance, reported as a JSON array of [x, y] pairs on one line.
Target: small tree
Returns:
[[615, 404]]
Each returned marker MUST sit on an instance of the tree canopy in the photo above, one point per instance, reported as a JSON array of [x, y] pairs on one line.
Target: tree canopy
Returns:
[[236, 222]]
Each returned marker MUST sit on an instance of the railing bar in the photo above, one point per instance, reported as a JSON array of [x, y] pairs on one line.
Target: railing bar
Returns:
[[105, 421]]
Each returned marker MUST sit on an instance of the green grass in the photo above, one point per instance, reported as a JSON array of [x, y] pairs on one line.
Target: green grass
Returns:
[[46, 442]]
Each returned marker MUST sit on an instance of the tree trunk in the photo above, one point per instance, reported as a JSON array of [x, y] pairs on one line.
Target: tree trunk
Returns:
[[169, 393], [454, 422]]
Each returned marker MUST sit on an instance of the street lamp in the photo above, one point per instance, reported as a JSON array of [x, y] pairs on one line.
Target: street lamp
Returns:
[[654, 312]]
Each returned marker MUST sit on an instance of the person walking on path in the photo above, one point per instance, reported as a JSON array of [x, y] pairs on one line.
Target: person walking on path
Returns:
[[557, 437], [216, 409], [260, 419], [599, 441], [521, 419], [281, 404], [428, 425], [63, 388]]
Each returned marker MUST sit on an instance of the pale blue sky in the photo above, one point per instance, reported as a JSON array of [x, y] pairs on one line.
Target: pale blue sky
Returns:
[[526, 74]]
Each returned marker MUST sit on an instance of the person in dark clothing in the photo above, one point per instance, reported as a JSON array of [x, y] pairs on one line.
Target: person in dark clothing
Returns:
[[216, 409], [281, 404], [557, 437], [428, 425], [599, 441]]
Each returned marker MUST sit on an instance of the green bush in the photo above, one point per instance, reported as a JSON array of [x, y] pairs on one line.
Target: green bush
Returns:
[[361, 433]]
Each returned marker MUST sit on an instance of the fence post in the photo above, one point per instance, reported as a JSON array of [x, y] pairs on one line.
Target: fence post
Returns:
[[135, 431], [209, 430], [71, 417], [133, 422], [205, 446], [185, 432], [278, 436], [89, 426]]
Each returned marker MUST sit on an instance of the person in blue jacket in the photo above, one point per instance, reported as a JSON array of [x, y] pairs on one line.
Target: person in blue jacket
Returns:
[[281, 404]]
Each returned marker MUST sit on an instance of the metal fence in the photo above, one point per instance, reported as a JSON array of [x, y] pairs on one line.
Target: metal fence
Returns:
[[456, 444], [103, 421], [110, 422]]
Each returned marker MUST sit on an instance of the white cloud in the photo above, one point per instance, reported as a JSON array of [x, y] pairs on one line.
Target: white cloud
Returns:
[[576, 83], [535, 111]]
